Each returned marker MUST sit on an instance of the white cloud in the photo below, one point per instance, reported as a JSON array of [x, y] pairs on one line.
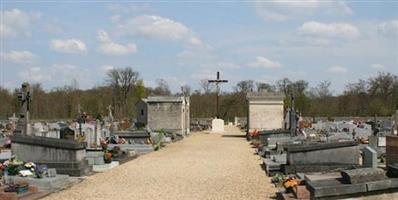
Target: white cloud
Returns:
[[64, 67], [106, 68], [281, 10], [377, 66], [389, 28], [35, 74], [151, 26], [108, 47], [15, 22], [263, 62], [337, 70], [329, 30], [18, 56], [73, 46]]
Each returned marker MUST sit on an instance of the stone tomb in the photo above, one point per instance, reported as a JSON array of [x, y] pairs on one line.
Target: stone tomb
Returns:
[[167, 113], [351, 183], [67, 156], [265, 111], [316, 157]]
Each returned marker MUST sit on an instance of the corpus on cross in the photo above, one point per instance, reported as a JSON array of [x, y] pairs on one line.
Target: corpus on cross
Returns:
[[217, 82]]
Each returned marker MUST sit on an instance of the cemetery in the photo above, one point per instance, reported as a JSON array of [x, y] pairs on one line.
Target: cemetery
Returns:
[[38, 158], [198, 100], [327, 159], [305, 159]]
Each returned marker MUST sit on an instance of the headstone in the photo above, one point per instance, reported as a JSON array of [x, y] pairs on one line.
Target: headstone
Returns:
[[369, 157], [217, 126]]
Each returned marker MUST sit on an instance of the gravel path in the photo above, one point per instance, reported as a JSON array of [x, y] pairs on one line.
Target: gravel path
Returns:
[[202, 166]]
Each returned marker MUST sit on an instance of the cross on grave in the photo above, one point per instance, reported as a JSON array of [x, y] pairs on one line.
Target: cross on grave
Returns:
[[25, 98], [217, 82]]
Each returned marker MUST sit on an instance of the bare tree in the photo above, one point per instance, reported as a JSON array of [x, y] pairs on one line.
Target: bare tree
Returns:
[[322, 90], [186, 90], [284, 85], [162, 88], [245, 86], [122, 82], [265, 87], [206, 86]]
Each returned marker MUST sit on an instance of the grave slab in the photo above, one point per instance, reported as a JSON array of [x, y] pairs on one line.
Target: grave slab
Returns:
[[333, 187], [363, 175], [45, 184]]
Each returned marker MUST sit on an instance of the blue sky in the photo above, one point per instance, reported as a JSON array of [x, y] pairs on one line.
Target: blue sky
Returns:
[[183, 42]]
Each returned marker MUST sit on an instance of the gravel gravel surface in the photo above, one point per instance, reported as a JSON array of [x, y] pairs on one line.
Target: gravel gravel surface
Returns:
[[202, 166]]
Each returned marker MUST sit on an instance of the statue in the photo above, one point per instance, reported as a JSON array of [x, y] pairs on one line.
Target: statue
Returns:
[[110, 113]]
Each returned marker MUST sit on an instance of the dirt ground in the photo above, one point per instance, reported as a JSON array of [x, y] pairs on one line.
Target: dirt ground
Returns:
[[202, 166]]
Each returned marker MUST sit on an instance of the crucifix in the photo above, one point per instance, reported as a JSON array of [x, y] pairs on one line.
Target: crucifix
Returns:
[[25, 98], [217, 82]]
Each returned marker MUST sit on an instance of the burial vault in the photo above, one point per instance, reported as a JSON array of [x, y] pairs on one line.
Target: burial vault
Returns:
[[265, 111], [165, 112]]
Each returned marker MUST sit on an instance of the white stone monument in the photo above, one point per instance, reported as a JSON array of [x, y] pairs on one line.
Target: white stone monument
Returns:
[[217, 125]]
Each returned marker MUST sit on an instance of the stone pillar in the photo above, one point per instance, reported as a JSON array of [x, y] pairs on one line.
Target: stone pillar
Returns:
[[369, 158]]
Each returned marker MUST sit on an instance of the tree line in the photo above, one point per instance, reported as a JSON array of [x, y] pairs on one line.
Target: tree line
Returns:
[[123, 88]]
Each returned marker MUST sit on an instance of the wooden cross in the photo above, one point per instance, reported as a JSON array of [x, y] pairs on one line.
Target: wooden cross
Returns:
[[217, 82]]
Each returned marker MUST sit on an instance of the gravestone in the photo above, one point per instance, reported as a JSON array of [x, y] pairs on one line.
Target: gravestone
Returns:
[[369, 157], [217, 126]]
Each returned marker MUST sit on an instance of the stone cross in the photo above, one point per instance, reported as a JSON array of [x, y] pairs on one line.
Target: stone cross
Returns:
[[24, 97], [217, 82], [293, 116]]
